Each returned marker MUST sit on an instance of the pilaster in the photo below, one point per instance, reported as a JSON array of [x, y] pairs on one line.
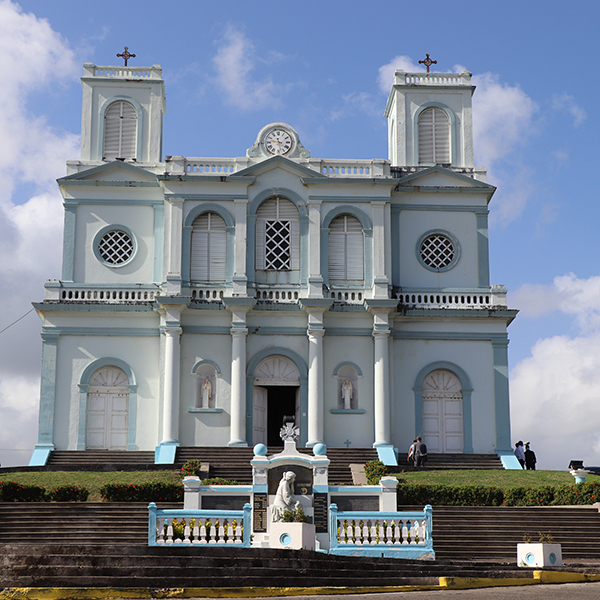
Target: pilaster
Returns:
[[240, 277], [315, 277], [174, 277]]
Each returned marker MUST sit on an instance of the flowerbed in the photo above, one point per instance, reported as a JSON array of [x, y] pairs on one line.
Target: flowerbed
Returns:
[[11, 491]]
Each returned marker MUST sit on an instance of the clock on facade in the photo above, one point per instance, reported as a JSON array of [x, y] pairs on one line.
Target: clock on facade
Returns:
[[278, 142]]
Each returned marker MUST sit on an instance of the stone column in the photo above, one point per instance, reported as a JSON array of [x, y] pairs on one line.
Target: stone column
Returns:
[[380, 276], [381, 370], [315, 277], [175, 233], [315, 309], [171, 386], [240, 279], [239, 308]]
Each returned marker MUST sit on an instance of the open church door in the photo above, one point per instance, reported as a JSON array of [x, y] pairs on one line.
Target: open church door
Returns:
[[259, 421]]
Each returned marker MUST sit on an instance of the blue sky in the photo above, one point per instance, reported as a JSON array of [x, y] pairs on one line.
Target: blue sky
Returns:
[[325, 68]]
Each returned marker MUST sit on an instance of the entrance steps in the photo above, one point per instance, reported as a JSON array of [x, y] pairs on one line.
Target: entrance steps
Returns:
[[234, 463], [101, 460], [443, 462], [139, 566], [491, 534], [477, 534]]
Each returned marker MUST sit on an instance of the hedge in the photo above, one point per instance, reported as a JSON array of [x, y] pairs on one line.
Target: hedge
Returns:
[[142, 492], [11, 491], [478, 495]]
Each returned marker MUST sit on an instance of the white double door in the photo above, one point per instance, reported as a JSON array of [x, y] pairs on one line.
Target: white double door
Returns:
[[107, 419], [443, 413]]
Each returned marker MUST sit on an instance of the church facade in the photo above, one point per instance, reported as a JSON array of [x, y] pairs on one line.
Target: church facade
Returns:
[[202, 300]]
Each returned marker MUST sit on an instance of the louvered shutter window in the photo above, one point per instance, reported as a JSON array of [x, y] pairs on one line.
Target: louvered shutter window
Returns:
[[277, 236], [209, 248], [346, 249], [120, 131], [434, 137]]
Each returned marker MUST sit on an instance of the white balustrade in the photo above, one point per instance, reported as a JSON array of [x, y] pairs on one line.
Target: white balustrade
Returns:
[[199, 527], [207, 166], [102, 295], [495, 298], [122, 71], [208, 294], [442, 79], [280, 295], [390, 530], [348, 296]]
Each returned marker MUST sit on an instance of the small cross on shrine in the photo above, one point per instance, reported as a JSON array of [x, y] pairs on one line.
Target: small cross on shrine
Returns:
[[126, 56], [347, 442], [427, 62]]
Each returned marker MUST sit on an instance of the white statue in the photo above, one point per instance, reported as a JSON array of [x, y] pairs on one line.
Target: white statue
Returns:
[[206, 393], [284, 499], [347, 393]]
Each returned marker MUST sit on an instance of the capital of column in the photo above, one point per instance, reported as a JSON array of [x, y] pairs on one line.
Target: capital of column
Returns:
[[172, 331], [315, 333], [237, 332]]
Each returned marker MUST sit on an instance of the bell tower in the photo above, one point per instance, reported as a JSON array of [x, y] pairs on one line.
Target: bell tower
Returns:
[[429, 119], [122, 114]]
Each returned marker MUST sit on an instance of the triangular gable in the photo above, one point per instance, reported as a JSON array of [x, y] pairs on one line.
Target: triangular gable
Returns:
[[112, 171], [277, 162], [442, 177]]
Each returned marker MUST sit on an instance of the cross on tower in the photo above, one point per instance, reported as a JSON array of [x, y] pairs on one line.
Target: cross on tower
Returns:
[[126, 56], [427, 62]]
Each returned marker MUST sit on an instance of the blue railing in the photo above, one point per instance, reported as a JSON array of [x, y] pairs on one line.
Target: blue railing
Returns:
[[199, 527], [394, 534]]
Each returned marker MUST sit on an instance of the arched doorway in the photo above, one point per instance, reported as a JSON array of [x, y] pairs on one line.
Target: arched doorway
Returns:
[[107, 410], [276, 394], [443, 412]]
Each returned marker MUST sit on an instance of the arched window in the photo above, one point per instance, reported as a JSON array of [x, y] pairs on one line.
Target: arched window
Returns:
[[443, 412], [277, 236], [209, 248], [434, 137], [346, 249], [120, 131]]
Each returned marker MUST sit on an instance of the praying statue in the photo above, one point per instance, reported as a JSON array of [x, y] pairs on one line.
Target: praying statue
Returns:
[[284, 498], [347, 393], [206, 393]]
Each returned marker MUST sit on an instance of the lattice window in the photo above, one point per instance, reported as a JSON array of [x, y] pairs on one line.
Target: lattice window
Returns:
[[437, 251], [115, 247], [278, 236]]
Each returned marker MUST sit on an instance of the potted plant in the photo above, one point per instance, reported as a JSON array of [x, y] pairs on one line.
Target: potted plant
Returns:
[[544, 553], [292, 530]]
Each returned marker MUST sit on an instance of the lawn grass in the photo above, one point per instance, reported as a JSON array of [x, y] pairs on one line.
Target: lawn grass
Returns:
[[496, 477], [92, 480]]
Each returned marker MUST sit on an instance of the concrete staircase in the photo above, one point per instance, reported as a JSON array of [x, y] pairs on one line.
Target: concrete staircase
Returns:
[[441, 462], [139, 566], [234, 463], [102, 460], [491, 534]]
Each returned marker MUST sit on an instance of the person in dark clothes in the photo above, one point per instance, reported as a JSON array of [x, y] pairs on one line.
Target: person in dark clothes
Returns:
[[420, 453], [530, 459]]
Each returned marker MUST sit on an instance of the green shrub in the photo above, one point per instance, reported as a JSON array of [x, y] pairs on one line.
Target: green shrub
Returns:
[[375, 470], [143, 492], [449, 495], [294, 515], [68, 493], [580, 493], [219, 481], [191, 468], [17, 492], [523, 496]]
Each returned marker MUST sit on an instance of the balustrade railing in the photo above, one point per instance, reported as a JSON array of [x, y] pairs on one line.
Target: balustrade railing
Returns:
[[101, 295], [353, 530], [207, 294], [347, 296], [122, 71], [495, 298], [280, 295], [199, 527], [445, 79]]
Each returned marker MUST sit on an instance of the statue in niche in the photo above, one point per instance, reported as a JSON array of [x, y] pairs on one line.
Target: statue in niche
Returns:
[[347, 394], [284, 498], [206, 393]]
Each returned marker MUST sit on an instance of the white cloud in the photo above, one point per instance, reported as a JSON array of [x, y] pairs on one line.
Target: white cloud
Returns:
[[555, 392], [566, 102], [357, 102], [234, 63], [35, 59], [402, 63]]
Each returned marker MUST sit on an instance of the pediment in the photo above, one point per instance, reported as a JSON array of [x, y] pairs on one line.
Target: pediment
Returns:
[[440, 177], [112, 171], [278, 162]]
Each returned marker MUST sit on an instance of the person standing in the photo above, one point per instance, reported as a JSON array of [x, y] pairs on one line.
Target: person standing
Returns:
[[520, 453], [530, 459], [420, 453], [411, 452]]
